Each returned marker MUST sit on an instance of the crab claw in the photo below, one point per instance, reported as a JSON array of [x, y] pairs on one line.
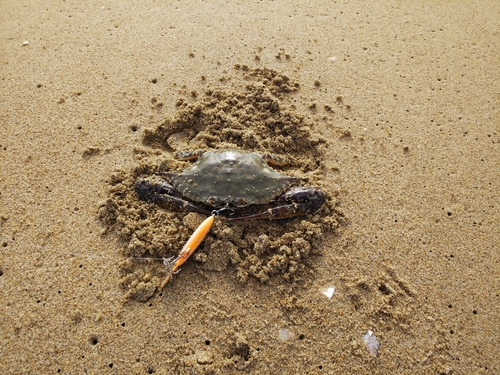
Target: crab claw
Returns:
[[144, 190], [299, 201], [312, 198]]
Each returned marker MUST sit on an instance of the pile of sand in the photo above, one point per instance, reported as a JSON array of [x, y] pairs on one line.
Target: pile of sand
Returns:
[[256, 115]]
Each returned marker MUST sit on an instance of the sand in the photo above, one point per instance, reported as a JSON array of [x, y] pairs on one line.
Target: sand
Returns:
[[391, 110]]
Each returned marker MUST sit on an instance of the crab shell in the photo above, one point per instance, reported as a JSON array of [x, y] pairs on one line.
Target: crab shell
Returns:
[[230, 177]]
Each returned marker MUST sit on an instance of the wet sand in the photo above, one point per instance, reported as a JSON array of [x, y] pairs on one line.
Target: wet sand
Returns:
[[392, 110]]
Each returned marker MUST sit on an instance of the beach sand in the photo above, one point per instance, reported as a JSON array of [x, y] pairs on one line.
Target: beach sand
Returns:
[[391, 109]]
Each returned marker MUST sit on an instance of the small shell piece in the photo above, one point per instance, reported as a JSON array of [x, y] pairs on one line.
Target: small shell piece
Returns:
[[25, 43], [371, 343], [284, 334], [328, 291]]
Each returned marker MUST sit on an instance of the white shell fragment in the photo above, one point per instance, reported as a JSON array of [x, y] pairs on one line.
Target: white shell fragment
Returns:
[[284, 334], [25, 43], [371, 343], [328, 291]]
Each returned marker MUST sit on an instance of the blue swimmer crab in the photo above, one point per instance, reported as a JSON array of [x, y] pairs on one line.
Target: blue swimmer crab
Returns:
[[229, 179]]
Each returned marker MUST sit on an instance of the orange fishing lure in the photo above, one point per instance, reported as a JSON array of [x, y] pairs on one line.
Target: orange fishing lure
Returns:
[[189, 248]]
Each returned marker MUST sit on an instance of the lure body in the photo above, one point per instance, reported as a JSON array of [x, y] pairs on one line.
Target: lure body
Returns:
[[189, 248]]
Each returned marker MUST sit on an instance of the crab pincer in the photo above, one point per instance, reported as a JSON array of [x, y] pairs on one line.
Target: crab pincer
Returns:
[[189, 248]]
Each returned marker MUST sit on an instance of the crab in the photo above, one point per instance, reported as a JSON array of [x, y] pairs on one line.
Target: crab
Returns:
[[227, 180]]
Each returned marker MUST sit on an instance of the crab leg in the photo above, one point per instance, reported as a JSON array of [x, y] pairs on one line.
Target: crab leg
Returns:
[[189, 248], [277, 213], [178, 203], [165, 193]]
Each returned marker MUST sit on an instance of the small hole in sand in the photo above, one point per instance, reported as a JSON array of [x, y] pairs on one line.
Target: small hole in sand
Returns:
[[384, 289], [93, 340]]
